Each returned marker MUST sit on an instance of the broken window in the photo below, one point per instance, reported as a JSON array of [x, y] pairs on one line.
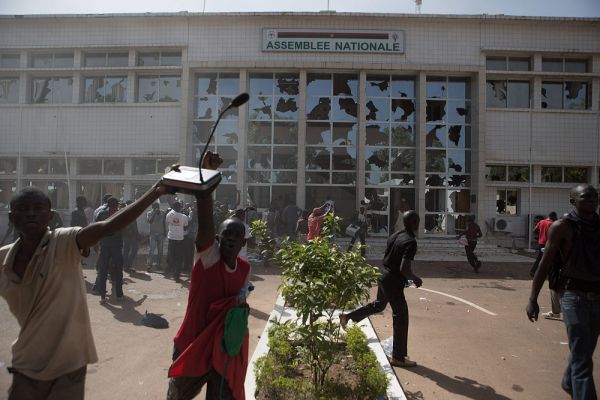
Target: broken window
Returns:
[[518, 173], [52, 90], [511, 94], [507, 202], [154, 89], [567, 95], [107, 89], [9, 90]]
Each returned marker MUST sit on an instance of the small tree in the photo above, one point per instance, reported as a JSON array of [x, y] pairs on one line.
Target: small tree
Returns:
[[266, 243], [319, 278]]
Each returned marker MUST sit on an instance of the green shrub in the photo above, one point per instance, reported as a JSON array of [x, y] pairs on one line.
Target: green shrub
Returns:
[[373, 381]]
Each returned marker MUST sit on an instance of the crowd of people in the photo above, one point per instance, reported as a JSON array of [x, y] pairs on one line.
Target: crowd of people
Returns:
[[40, 279]]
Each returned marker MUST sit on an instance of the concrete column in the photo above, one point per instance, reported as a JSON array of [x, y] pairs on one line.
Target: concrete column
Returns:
[[478, 132], [362, 140], [77, 84], [242, 140], [420, 129], [131, 87], [78, 58], [301, 176], [187, 113]]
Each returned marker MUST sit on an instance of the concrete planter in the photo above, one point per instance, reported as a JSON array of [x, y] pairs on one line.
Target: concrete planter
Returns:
[[281, 313]]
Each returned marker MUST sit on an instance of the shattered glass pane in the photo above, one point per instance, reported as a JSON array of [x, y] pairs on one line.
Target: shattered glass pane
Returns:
[[229, 155], [435, 180], [436, 88], [287, 84], [9, 90], [552, 94], [436, 136], [345, 85], [496, 94], [403, 160], [148, 59], [286, 108], [377, 159], [435, 111], [147, 89], [346, 109], [435, 223], [115, 89], [459, 112], [378, 85], [223, 104], [459, 180], [403, 135], [403, 110], [375, 178], [227, 132], [459, 161], [459, 201], [260, 108], [377, 135], [403, 180], [344, 134], [576, 95], [170, 88], [284, 177], [41, 90], [403, 87], [206, 84], [318, 108], [206, 107], [459, 136], [377, 110], [200, 130]]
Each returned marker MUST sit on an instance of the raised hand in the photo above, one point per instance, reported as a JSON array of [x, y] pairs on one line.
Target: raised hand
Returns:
[[212, 160]]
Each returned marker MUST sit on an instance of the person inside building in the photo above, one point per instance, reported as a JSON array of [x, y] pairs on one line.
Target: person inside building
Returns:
[[541, 228], [361, 233], [176, 222], [471, 233], [78, 217], [217, 280], [395, 273], [42, 283], [571, 259]]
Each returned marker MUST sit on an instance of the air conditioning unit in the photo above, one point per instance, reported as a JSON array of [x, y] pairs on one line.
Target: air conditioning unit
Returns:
[[503, 225]]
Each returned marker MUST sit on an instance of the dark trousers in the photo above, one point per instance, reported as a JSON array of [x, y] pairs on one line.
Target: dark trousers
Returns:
[[130, 250], [110, 254], [188, 254], [390, 290], [362, 236], [582, 319], [188, 387], [175, 256], [537, 261], [70, 386], [471, 257]]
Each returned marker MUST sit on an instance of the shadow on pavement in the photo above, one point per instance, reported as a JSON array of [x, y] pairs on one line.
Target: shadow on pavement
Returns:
[[142, 276], [259, 314], [463, 386], [125, 310]]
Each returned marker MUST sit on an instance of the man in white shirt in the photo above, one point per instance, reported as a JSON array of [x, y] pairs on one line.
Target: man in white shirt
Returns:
[[176, 222]]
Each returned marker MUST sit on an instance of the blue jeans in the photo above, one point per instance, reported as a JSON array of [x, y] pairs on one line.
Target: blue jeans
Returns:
[[156, 246], [582, 319]]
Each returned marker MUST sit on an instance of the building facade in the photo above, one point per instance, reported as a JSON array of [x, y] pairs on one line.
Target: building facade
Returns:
[[490, 116]]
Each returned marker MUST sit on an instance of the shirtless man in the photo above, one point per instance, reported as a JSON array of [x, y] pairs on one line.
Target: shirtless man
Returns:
[[575, 240]]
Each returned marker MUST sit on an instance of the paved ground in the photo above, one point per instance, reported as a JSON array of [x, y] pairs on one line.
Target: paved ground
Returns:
[[464, 353]]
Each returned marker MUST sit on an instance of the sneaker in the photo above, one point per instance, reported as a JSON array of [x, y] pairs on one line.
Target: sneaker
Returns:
[[343, 320], [551, 315], [102, 301], [406, 363]]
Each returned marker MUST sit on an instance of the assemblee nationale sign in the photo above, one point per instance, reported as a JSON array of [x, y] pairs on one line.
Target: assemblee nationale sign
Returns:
[[341, 41]]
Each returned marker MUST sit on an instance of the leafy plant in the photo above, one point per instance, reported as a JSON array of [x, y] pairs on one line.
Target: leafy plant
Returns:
[[266, 243], [319, 278]]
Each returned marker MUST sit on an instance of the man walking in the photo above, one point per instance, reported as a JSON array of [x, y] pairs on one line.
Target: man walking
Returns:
[[542, 228], [396, 271], [472, 233], [361, 233], [111, 256], [176, 223], [576, 240]]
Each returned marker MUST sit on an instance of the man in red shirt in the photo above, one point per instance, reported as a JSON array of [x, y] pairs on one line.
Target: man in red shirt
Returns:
[[217, 280], [315, 221], [542, 228]]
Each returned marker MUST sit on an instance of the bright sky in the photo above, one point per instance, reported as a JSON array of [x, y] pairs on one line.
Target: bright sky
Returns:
[[556, 8]]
